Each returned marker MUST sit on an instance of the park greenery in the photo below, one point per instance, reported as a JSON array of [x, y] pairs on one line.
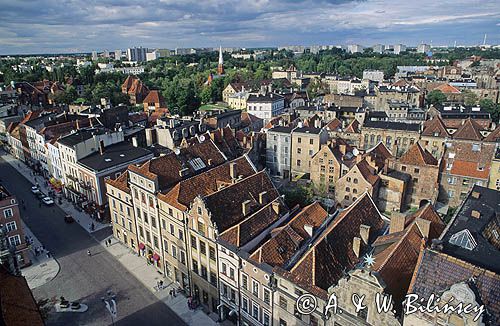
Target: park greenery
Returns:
[[181, 79]]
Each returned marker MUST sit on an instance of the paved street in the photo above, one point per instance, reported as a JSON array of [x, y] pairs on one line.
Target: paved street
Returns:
[[81, 277]]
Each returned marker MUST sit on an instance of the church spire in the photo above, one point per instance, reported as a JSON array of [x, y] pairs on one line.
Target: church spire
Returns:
[[220, 67]]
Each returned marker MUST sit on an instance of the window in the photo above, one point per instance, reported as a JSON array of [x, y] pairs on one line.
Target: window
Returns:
[[174, 251], [153, 221], [204, 272], [165, 245], [299, 140], [313, 321], [181, 235], [355, 181], [265, 318], [255, 288], [213, 279], [143, 198], [244, 304], [203, 248], [199, 210], [211, 253], [8, 212], [463, 239], [195, 266], [148, 237], [299, 150], [417, 170], [11, 226], [15, 240], [403, 168], [193, 242], [283, 302], [244, 281], [172, 229], [354, 191], [138, 214], [282, 322], [255, 311], [231, 273], [141, 231], [267, 296], [347, 189], [155, 241], [182, 256], [201, 228], [363, 314], [224, 269]]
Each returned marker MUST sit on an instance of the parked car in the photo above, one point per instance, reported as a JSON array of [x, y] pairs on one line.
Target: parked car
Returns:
[[41, 195], [48, 201], [35, 190]]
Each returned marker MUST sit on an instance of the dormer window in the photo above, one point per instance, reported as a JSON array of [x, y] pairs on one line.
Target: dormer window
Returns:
[[463, 239], [476, 147]]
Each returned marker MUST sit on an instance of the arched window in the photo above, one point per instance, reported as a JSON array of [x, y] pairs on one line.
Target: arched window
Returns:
[[347, 189]]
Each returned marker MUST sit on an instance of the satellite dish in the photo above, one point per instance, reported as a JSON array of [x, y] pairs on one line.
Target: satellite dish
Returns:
[[355, 152], [177, 151], [202, 138]]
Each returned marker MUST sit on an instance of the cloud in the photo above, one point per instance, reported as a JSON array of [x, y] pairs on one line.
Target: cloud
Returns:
[[65, 25]]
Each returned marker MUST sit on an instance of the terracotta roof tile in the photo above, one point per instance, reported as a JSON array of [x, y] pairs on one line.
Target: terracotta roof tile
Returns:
[[447, 89], [183, 193], [437, 272], [416, 155], [436, 128], [494, 136], [469, 130], [324, 263]]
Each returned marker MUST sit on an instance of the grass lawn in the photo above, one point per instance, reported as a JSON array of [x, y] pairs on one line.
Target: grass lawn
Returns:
[[208, 107]]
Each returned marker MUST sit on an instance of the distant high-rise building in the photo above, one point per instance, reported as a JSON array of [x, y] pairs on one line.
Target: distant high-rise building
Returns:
[[105, 54], [378, 48], [118, 54], [153, 55], [220, 67], [94, 55], [423, 48], [354, 48], [398, 48], [136, 54]]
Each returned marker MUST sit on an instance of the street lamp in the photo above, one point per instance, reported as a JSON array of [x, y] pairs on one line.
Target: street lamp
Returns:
[[110, 302]]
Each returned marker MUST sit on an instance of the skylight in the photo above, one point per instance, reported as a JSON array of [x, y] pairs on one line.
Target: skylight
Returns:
[[197, 164], [463, 239]]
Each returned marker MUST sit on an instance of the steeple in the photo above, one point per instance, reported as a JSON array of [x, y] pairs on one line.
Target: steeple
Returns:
[[220, 67]]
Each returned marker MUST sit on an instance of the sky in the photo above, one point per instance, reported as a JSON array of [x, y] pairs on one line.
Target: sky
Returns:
[[65, 26]]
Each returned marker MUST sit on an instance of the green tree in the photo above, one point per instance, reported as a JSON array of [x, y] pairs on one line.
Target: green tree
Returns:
[[470, 98], [436, 97], [298, 195], [206, 95], [492, 107]]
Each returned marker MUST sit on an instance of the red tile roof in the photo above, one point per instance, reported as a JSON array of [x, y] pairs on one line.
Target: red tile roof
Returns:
[[416, 155], [17, 304], [469, 130], [225, 205], [494, 136], [155, 96], [334, 125], [436, 128], [324, 263], [206, 183], [447, 89]]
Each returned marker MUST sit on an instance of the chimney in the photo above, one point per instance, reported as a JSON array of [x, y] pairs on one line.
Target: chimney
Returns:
[[342, 148], [183, 172], [276, 207], [475, 214], [397, 222], [309, 229], [101, 146], [232, 170], [476, 194], [356, 246], [134, 142], [77, 124], [364, 232], [209, 162], [262, 197], [245, 207], [424, 226]]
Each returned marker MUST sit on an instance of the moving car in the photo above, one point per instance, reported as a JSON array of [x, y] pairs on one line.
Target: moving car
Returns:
[[35, 190], [68, 219], [48, 201]]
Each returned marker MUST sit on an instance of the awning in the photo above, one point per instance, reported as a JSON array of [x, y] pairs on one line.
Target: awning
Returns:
[[156, 257], [141, 246]]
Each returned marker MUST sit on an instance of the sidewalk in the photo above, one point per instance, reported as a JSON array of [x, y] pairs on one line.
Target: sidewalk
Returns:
[[43, 268], [138, 267], [81, 217]]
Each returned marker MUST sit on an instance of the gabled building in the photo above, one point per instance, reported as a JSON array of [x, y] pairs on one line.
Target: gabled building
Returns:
[[423, 169], [135, 89], [360, 179], [463, 264], [434, 137], [336, 246], [265, 106], [279, 151], [306, 141], [397, 136]]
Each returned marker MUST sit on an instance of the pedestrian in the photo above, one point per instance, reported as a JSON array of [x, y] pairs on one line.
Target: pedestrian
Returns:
[[92, 226], [161, 285], [88, 253], [36, 251], [48, 254]]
